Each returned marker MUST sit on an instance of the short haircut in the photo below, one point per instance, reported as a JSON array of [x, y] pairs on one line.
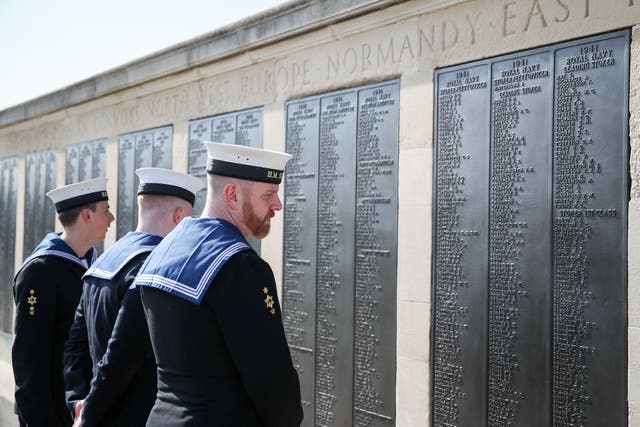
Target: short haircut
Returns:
[[70, 216], [218, 182]]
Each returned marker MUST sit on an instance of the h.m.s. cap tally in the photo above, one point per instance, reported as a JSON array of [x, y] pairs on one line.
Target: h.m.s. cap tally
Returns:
[[253, 164], [166, 182], [79, 194]]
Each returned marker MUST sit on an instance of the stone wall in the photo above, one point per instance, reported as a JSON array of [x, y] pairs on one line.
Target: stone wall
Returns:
[[406, 40]]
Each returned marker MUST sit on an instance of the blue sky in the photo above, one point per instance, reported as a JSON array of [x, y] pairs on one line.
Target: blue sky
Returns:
[[46, 45]]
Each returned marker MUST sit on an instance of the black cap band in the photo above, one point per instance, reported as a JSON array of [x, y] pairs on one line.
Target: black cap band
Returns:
[[84, 199], [242, 171], [167, 190]]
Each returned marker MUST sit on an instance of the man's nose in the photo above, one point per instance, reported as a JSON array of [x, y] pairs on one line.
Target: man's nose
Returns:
[[277, 204]]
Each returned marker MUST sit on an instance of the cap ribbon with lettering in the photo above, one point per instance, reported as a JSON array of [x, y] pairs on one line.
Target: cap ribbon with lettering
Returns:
[[79, 194], [253, 164]]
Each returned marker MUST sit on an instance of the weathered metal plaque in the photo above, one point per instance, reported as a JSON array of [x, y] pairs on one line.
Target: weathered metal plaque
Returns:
[[39, 212], [300, 250], [460, 229], [99, 158], [86, 161], [242, 127], [72, 173], [339, 285], [126, 191], [149, 148], [530, 242], [8, 190], [519, 316], [590, 180], [249, 128], [224, 128], [161, 155], [376, 263], [335, 249], [199, 131]]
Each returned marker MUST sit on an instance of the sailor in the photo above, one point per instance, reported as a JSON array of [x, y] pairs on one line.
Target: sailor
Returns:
[[212, 307], [119, 358], [46, 290]]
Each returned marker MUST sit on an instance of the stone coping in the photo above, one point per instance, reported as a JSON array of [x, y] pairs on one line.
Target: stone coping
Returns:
[[290, 19]]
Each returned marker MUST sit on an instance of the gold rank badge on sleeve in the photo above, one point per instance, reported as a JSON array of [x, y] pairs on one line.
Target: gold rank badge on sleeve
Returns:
[[32, 300], [269, 301]]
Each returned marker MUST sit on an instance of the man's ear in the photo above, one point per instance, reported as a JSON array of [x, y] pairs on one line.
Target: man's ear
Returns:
[[178, 214], [85, 215], [231, 194]]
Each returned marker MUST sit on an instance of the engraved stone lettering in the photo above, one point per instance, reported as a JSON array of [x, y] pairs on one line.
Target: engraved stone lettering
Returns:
[[535, 10], [566, 12], [506, 17], [473, 25]]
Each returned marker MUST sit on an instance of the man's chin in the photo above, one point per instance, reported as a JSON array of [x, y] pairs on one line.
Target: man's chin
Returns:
[[263, 232]]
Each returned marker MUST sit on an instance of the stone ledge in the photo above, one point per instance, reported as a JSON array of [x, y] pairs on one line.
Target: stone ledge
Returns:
[[287, 20]]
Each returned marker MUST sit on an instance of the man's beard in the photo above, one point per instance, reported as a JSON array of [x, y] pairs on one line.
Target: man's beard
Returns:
[[258, 227]]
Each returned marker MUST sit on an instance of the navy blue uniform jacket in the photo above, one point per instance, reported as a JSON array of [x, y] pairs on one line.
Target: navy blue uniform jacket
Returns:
[[118, 386], [225, 361], [46, 292]]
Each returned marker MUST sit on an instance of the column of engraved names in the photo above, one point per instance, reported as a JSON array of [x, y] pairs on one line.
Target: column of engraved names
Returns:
[[71, 173], [39, 210], [374, 291], [199, 132], [150, 148], [85, 161], [126, 192], [161, 148], [299, 282], [448, 313], [293, 295], [574, 169], [8, 188], [99, 166], [335, 261], [249, 129], [224, 129], [46, 181], [29, 202], [514, 82]]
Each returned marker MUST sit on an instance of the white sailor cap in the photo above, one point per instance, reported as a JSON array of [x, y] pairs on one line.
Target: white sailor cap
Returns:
[[166, 182], [238, 161], [79, 194]]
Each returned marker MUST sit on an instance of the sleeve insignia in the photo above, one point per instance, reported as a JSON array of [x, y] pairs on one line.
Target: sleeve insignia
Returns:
[[269, 301], [32, 300]]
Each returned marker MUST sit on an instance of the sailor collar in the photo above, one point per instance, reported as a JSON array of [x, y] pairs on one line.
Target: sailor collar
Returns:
[[189, 258], [109, 264], [53, 245]]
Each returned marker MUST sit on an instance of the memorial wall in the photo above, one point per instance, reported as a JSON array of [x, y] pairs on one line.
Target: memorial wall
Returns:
[[340, 253], [457, 243], [530, 237], [143, 149], [8, 189], [87, 160], [39, 217]]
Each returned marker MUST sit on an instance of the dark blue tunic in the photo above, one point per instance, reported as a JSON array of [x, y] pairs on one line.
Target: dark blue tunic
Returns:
[[46, 290], [93, 373], [220, 347]]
